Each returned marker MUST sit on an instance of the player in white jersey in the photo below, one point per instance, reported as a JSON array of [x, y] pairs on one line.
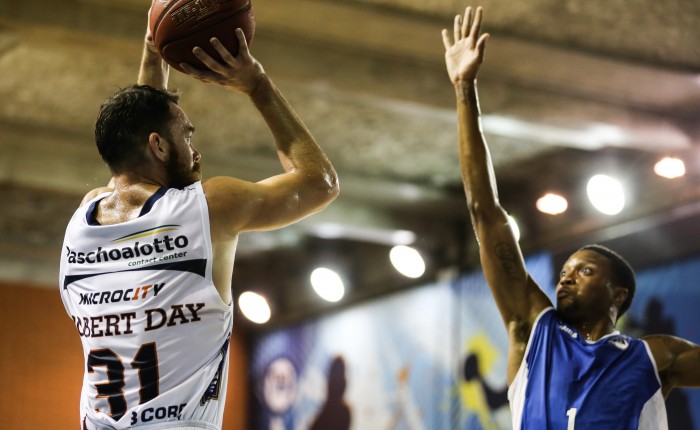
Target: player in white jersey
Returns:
[[567, 368], [147, 261]]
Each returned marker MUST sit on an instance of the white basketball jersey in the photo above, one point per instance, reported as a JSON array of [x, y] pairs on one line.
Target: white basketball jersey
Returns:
[[154, 329]]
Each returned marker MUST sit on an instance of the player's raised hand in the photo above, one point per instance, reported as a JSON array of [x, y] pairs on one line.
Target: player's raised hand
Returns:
[[242, 72], [464, 52]]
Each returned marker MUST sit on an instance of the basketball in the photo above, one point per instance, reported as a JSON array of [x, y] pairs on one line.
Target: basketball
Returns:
[[178, 26]]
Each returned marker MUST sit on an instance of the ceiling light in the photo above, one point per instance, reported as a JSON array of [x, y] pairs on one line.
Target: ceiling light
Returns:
[[327, 284], [670, 167], [407, 261], [552, 204], [606, 194], [254, 307], [403, 237]]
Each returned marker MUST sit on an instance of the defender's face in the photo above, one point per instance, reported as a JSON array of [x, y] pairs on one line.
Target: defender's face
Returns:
[[584, 290], [183, 159]]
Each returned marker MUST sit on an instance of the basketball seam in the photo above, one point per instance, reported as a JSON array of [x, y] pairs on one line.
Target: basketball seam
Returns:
[[165, 11], [199, 31]]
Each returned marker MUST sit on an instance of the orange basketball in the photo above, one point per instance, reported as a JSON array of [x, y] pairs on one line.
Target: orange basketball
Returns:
[[178, 26]]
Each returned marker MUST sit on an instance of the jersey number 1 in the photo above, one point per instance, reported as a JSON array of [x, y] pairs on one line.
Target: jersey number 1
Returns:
[[145, 361], [571, 413]]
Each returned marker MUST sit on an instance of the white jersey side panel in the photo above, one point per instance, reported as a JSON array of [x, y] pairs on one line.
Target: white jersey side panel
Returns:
[[516, 391], [653, 415], [154, 329]]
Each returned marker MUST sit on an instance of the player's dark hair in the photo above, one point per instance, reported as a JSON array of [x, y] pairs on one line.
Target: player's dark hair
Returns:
[[127, 119], [623, 274]]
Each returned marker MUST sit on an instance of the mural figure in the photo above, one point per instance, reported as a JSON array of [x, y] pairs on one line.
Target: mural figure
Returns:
[[335, 412], [406, 411], [279, 393], [494, 398], [479, 397]]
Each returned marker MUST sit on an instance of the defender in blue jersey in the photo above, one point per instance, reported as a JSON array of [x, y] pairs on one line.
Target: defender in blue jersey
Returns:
[[567, 368]]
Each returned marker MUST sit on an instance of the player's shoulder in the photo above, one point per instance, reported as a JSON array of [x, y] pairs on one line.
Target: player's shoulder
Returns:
[[660, 340], [666, 344], [92, 194]]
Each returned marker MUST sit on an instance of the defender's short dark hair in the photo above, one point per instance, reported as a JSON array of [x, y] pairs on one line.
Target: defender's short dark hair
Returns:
[[125, 121], [623, 274]]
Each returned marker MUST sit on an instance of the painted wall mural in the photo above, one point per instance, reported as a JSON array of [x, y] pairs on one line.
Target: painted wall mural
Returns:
[[433, 357]]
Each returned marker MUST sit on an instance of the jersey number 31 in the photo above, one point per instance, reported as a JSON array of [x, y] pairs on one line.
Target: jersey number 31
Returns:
[[145, 361]]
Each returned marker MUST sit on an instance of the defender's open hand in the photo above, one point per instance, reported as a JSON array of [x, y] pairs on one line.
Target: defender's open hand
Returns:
[[464, 55]]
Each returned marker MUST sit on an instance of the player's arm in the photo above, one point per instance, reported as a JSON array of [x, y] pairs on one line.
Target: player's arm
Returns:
[[153, 70], [309, 182], [677, 360], [518, 298]]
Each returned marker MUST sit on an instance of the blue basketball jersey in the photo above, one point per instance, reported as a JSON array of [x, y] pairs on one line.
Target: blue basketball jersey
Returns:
[[566, 382]]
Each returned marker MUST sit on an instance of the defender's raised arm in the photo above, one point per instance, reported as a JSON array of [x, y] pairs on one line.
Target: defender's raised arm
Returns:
[[517, 296]]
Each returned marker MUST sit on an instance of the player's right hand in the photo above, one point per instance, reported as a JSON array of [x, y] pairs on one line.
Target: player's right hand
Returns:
[[242, 72]]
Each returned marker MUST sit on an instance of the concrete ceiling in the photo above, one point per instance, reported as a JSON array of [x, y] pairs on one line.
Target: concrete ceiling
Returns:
[[569, 88]]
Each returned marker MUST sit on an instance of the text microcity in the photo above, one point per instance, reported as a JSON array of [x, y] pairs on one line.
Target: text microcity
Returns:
[[101, 297]]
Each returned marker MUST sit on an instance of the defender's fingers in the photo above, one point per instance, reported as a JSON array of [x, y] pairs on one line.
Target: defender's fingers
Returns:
[[476, 26], [466, 22], [446, 39], [457, 28], [480, 45]]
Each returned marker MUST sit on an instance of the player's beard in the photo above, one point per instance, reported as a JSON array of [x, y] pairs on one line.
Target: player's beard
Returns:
[[179, 174], [569, 310]]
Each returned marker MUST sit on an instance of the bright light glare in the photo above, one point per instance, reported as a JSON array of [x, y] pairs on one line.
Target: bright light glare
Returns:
[[552, 204], [407, 261], [327, 284], [514, 226], [606, 194], [254, 307], [670, 168], [403, 237]]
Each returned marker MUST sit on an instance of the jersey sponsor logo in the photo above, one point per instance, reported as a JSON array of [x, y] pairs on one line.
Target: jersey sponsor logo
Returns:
[[619, 342], [568, 330], [116, 296], [149, 414], [146, 251]]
